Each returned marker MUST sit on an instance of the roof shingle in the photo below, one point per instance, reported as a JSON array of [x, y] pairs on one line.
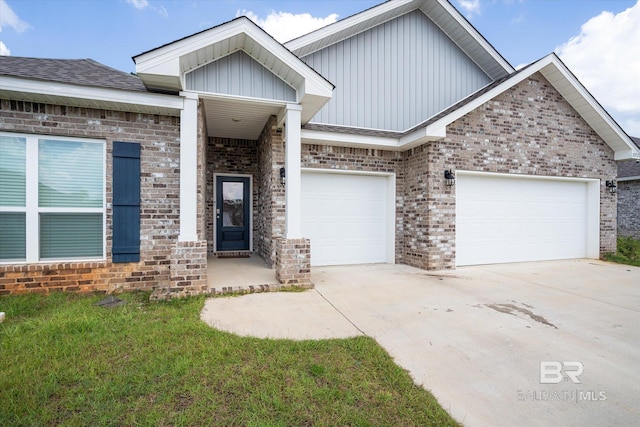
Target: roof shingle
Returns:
[[629, 169], [83, 72]]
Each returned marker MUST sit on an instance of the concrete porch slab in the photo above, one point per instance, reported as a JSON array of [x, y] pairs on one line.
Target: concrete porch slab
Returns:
[[239, 272]]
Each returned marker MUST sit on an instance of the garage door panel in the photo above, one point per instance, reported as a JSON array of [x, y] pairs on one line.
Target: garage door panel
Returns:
[[346, 217], [505, 219]]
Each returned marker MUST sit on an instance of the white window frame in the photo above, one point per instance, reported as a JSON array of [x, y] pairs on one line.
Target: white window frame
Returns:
[[32, 209]]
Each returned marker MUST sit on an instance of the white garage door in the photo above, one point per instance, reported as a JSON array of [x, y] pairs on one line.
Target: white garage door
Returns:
[[509, 219], [346, 216]]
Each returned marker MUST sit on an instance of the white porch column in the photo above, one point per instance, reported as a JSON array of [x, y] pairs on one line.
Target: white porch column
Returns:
[[189, 168], [292, 168]]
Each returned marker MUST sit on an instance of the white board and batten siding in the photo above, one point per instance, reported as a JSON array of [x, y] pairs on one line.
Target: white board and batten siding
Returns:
[[513, 218], [349, 217], [395, 75], [240, 75]]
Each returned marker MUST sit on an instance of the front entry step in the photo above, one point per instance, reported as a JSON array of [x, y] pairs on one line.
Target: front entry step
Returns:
[[234, 254]]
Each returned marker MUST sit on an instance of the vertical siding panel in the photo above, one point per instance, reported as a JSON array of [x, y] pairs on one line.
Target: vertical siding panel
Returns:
[[239, 74], [362, 72], [386, 79]]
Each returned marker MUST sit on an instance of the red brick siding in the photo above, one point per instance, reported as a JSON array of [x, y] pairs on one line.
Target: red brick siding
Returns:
[[159, 228]]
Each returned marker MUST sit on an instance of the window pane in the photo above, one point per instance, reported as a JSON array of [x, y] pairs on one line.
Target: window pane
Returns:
[[73, 235], [13, 163], [12, 236], [233, 204], [70, 174]]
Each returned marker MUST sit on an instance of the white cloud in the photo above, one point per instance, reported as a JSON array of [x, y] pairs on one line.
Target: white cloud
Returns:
[[284, 26], [162, 11], [470, 7], [4, 50], [9, 18], [144, 4], [606, 59], [139, 4]]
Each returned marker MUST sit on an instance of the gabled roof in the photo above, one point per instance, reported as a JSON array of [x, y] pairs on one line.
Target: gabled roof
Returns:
[[164, 68], [551, 67], [441, 12], [83, 72]]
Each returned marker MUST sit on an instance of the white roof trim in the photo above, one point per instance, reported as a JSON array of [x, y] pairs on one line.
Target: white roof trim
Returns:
[[302, 45], [349, 140], [345, 24], [88, 96], [589, 109], [476, 35], [166, 60]]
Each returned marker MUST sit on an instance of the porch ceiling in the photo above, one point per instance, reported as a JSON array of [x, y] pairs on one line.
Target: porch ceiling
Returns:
[[228, 118]]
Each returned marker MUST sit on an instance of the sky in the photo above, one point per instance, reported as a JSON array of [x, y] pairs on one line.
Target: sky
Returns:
[[599, 40]]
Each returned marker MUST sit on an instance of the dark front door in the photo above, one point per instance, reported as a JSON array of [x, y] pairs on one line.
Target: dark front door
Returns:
[[232, 213]]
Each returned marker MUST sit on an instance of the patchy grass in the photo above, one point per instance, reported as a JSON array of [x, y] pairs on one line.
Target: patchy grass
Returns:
[[65, 361], [628, 252]]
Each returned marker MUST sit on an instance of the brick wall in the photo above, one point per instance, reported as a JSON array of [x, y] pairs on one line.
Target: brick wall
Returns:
[[530, 129], [269, 220], [159, 222], [629, 208]]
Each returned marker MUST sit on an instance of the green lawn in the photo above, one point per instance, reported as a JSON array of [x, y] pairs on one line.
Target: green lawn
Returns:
[[628, 252], [67, 362]]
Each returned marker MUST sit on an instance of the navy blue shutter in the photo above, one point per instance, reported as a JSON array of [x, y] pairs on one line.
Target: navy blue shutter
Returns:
[[126, 202]]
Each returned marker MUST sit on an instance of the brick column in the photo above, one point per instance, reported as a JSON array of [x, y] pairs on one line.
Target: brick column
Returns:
[[188, 268], [293, 262]]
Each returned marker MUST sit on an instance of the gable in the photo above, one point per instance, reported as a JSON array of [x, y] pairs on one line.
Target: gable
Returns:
[[394, 75], [239, 74]]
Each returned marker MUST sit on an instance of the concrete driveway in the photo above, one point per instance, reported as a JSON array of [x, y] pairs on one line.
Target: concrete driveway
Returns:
[[476, 337]]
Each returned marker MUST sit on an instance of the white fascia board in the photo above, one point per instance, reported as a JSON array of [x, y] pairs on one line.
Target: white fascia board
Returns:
[[627, 155], [64, 90], [314, 83], [621, 144], [624, 149], [423, 135], [349, 140], [477, 36], [166, 59], [405, 142], [173, 51], [629, 178], [344, 24]]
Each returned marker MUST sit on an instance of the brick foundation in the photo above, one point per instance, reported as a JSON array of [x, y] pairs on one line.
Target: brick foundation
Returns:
[[293, 262]]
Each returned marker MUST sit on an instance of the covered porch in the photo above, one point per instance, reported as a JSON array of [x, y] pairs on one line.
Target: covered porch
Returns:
[[246, 98]]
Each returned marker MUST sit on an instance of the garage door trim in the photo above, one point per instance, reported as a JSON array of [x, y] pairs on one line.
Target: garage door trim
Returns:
[[593, 202], [391, 205]]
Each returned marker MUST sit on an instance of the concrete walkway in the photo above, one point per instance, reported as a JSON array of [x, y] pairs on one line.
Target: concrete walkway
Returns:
[[476, 336]]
